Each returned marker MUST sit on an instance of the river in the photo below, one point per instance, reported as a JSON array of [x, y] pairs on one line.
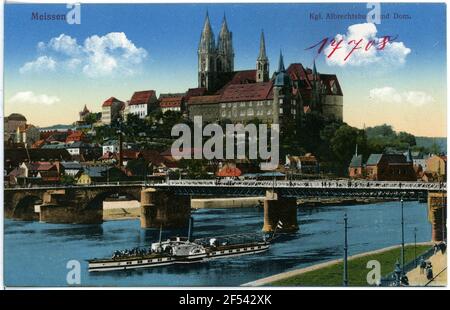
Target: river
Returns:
[[36, 254]]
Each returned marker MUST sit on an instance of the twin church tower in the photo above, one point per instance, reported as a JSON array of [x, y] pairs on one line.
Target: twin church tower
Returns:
[[216, 60]]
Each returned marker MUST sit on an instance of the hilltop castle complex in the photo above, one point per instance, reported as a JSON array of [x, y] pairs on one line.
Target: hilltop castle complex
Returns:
[[223, 94]]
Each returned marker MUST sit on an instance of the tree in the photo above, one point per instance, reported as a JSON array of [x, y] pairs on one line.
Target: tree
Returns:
[[91, 118], [343, 144]]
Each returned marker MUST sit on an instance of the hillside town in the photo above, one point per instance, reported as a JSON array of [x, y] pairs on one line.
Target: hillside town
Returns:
[[128, 139]]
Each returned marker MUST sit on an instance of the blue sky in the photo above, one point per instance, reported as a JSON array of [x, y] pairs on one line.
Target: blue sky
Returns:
[[166, 38]]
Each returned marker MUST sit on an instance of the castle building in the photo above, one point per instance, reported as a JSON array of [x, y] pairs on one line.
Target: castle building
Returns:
[[110, 110], [242, 96]]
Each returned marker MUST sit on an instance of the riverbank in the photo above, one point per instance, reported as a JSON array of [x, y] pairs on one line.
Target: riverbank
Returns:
[[123, 210], [330, 273]]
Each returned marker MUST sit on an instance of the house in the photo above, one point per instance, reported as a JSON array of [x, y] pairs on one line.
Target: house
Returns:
[[111, 108], [111, 146], [102, 173], [389, 167], [437, 167], [71, 168], [40, 172], [78, 148], [420, 159], [76, 136], [142, 103], [356, 167], [171, 103], [303, 164], [15, 157]]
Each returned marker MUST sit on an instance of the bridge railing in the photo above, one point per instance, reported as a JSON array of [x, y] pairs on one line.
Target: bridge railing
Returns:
[[332, 184], [312, 184]]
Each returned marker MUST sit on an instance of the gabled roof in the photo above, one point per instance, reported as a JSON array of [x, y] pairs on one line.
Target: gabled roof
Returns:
[[374, 159], [142, 97], [356, 161], [247, 92], [170, 102], [109, 102]]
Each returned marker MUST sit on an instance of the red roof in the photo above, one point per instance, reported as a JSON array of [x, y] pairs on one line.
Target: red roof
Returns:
[[109, 102], [142, 97], [297, 72], [229, 172], [170, 102], [247, 92], [240, 77], [204, 99], [245, 76]]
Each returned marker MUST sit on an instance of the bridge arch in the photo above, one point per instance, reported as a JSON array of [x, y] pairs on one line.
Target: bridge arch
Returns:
[[96, 203], [24, 208]]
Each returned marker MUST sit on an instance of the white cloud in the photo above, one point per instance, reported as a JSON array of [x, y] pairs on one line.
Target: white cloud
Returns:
[[391, 95], [99, 56], [42, 63], [394, 53], [65, 44], [29, 97]]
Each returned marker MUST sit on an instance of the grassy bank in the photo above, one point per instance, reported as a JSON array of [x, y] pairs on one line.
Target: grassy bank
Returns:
[[332, 275]]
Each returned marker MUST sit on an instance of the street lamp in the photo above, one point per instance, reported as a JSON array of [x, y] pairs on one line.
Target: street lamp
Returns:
[[403, 239], [415, 243], [345, 251]]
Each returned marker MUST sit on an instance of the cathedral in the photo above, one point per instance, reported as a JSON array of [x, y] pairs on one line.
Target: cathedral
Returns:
[[245, 95]]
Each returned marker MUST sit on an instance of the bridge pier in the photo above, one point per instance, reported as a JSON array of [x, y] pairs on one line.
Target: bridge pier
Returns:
[[437, 215], [164, 208], [277, 208], [57, 214]]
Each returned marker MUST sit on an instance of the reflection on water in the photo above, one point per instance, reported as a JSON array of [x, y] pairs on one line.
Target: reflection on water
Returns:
[[36, 253]]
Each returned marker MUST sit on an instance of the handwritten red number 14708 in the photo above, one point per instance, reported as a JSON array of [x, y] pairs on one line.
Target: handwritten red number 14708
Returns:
[[378, 44]]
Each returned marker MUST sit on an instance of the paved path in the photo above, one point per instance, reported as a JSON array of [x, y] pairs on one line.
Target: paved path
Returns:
[[439, 263], [288, 274]]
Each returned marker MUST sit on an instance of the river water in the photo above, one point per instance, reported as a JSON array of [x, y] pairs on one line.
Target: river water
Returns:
[[36, 254]]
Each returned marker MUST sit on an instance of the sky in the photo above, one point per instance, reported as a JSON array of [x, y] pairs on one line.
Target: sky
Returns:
[[52, 68]]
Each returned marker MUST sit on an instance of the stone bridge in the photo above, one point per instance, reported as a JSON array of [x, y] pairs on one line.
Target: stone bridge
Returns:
[[169, 203]]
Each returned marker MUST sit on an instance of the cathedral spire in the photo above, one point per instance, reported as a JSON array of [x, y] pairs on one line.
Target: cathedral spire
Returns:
[[207, 37], [314, 70], [224, 24], [262, 62], [262, 47], [281, 64]]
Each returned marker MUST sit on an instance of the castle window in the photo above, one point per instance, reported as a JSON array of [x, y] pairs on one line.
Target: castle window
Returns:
[[269, 112], [250, 112], [224, 105], [280, 101]]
